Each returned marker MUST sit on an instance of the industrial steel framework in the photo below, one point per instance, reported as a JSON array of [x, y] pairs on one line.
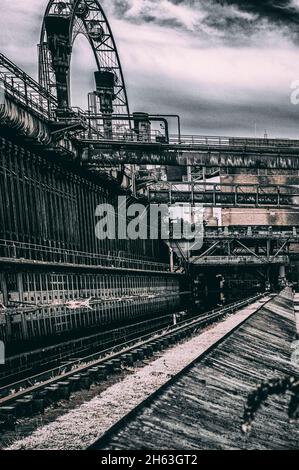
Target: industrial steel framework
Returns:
[[63, 22], [224, 194]]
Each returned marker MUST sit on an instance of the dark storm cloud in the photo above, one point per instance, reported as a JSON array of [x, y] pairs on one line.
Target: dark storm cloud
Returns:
[[282, 11], [224, 66], [219, 114], [278, 12], [231, 19]]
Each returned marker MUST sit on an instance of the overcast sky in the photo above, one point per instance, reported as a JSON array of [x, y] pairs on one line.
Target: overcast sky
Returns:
[[225, 66]]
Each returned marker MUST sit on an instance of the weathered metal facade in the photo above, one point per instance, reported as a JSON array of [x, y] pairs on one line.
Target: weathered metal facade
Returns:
[[50, 256]]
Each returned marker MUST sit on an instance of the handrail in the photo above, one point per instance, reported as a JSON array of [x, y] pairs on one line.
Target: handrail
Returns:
[[198, 185], [78, 257], [25, 89], [229, 141], [154, 137], [19, 73]]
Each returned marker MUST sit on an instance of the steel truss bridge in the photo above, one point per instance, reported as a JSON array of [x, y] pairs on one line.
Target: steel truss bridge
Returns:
[[242, 245]]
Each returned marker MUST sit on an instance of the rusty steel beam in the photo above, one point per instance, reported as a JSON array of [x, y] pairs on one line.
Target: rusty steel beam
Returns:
[[99, 153], [239, 260]]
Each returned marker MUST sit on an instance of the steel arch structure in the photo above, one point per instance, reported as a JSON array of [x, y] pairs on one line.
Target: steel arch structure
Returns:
[[71, 18]]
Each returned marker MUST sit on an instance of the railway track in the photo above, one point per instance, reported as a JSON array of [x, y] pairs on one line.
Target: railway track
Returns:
[[109, 435], [32, 396], [197, 390], [58, 356]]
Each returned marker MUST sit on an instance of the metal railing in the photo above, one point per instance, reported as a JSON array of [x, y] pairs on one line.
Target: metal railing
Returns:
[[28, 92], [25, 89], [96, 132], [156, 137], [27, 252], [227, 141]]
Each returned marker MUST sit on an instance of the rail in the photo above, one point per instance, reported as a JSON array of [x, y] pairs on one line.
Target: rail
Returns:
[[126, 135], [25, 89], [127, 420], [228, 141], [96, 132], [217, 186], [62, 357], [33, 385]]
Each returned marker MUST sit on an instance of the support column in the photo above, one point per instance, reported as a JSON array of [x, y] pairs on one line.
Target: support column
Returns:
[[282, 275], [282, 271], [268, 248], [3, 287], [171, 259]]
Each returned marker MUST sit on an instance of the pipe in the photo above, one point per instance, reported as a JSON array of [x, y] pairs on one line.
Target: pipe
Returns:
[[179, 123], [151, 117]]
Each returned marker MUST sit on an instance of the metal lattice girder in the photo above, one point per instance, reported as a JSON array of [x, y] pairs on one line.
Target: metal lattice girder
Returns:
[[249, 232], [248, 251]]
